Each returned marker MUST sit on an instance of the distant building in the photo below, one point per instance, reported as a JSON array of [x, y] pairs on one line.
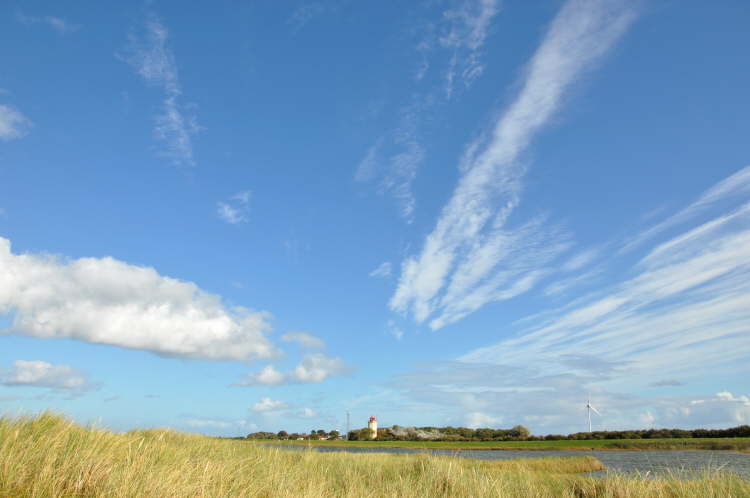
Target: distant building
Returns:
[[372, 424]]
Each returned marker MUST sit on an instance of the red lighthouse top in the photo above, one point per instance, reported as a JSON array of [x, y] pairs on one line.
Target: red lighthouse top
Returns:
[[373, 419]]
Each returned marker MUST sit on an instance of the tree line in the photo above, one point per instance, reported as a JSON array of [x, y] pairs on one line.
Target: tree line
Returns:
[[517, 433], [281, 435]]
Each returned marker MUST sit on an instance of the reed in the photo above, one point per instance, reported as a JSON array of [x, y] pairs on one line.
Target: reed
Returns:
[[50, 456]]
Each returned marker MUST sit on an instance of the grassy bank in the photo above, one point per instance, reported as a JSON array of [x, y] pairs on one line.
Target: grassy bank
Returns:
[[49, 456], [734, 444]]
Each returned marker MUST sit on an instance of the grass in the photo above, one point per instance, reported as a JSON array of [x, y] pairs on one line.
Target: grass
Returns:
[[735, 444], [49, 456]]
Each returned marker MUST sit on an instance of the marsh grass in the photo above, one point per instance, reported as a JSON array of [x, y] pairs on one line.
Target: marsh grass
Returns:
[[50, 456]]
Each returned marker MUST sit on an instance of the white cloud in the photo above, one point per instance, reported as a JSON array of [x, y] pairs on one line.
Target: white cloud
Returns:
[[13, 124], [155, 63], [382, 271], [667, 383], [306, 12], [580, 260], [235, 210], [472, 224], [476, 420], [683, 312], [305, 340], [730, 188], [367, 167], [58, 23], [403, 171], [266, 405], [308, 413], [106, 301], [200, 423], [43, 374], [467, 27], [267, 376], [318, 367], [395, 330], [313, 368]]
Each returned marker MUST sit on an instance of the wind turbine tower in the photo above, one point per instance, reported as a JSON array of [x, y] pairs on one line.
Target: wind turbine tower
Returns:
[[348, 424], [589, 408]]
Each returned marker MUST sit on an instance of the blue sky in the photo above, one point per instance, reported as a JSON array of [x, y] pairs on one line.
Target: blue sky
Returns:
[[258, 216]]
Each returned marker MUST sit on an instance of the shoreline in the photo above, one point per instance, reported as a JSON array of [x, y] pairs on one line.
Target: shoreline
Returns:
[[531, 446]]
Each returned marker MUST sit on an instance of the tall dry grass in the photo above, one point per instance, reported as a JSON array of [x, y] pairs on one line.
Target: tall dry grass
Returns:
[[50, 456]]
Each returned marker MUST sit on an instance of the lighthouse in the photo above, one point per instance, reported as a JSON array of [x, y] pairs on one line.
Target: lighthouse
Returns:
[[372, 424]]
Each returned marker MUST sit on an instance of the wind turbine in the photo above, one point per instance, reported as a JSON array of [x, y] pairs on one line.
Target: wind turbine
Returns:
[[590, 407]]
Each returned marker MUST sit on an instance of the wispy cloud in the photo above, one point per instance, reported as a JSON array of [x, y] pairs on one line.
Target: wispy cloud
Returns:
[[730, 188], [219, 424], [367, 168], [382, 271], [155, 63], [13, 124], [464, 262], [305, 340], [57, 23], [466, 29], [683, 311], [308, 11], [394, 160], [236, 209], [395, 330], [667, 383], [106, 301], [61, 378]]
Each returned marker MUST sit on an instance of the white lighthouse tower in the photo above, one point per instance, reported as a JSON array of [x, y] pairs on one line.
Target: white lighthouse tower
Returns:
[[372, 424]]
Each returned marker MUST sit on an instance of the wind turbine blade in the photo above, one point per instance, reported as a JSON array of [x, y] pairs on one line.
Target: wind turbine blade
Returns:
[[595, 410]]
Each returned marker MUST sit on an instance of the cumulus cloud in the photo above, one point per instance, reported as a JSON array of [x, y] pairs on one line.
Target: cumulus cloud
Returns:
[[267, 376], [42, 374], [235, 210], [267, 405], [318, 367], [106, 301], [464, 263], [13, 124], [313, 368], [304, 340], [155, 63]]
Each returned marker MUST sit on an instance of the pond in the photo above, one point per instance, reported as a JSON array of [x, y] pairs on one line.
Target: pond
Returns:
[[651, 462]]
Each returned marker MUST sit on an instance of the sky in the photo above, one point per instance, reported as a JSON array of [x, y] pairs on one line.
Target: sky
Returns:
[[258, 215]]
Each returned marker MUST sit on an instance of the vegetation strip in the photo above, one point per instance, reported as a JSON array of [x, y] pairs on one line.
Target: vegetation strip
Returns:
[[52, 457], [717, 444]]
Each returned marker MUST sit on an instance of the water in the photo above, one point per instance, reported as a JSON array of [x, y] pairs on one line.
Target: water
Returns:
[[652, 462]]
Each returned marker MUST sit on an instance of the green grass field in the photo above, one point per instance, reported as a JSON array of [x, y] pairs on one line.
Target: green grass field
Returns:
[[48, 456], [735, 444]]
